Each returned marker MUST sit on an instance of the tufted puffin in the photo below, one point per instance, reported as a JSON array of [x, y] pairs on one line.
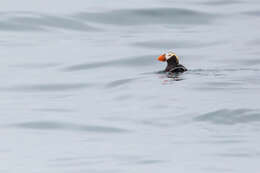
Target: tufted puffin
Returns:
[[173, 65]]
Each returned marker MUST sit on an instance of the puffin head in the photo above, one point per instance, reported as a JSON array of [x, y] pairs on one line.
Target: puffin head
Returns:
[[170, 57]]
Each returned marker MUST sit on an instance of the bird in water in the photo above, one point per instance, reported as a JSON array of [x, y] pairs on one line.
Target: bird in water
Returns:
[[173, 65]]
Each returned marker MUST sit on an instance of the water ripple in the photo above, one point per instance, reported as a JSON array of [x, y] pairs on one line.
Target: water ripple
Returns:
[[29, 21], [150, 162], [46, 87], [221, 71], [222, 2], [249, 61], [171, 16], [10, 26], [230, 117], [253, 13], [61, 110], [239, 155], [127, 62], [119, 82], [36, 65], [51, 125], [169, 44]]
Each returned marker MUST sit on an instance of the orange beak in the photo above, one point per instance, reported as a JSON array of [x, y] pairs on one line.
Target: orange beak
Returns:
[[162, 57]]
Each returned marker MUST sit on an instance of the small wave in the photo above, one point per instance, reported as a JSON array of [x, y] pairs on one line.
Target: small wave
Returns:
[[221, 2], [239, 154], [8, 26], [126, 62], [255, 42], [32, 21], [119, 82], [170, 16], [250, 62], [62, 110], [46, 87], [218, 70], [150, 162], [51, 125], [29, 21], [169, 44], [253, 13], [36, 65], [230, 117], [222, 84]]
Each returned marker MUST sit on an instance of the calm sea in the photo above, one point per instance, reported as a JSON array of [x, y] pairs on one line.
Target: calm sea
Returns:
[[81, 93]]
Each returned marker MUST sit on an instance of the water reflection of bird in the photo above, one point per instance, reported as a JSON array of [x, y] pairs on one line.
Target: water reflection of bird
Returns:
[[173, 65]]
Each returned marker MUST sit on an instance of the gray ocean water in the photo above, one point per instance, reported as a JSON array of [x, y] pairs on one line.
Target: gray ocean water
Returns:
[[80, 88]]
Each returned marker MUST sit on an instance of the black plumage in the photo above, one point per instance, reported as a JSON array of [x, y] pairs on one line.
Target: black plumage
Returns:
[[173, 65]]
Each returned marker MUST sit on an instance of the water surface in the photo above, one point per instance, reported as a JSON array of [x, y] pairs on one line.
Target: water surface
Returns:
[[81, 89]]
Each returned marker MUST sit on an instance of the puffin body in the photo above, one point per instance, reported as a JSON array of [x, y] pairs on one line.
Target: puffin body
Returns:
[[173, 64]]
